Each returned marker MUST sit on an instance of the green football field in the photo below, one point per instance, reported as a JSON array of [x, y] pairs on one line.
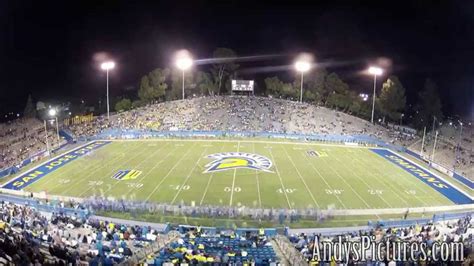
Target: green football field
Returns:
[[248, 173]]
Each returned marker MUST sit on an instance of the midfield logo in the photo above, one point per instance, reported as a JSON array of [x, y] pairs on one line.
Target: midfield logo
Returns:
[[234, 160]]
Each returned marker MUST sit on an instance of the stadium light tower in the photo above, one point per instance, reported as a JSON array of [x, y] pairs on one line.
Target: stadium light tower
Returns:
[[376, 71], [302, 66], [183, 62], [107, 66]]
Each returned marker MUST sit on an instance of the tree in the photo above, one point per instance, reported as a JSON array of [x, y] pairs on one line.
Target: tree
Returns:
[[137, 103], [392, 99], [176, 89], [314, 82], [124, 104], [333, 84], [336, 92], [145, 90], [30, 111], [153, 86], [224, 68], [277, 88], [273, 86], [428, 105], [204, 83]]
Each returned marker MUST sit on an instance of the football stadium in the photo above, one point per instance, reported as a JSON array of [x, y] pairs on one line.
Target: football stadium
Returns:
[[313, 157]]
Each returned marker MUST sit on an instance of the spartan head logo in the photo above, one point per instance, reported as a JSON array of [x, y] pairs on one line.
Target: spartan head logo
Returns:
[[234, 160]]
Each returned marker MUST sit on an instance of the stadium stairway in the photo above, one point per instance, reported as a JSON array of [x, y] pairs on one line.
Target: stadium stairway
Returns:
[[67, 135], [220, 246]]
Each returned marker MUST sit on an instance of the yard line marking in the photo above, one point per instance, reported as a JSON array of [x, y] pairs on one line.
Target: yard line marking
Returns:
[[410, 180], [153, 168], [258, 182], [327, 184], [205, 190], [233, 179], [189, 175], [79, 181], [281, 181], [355, 192], [413, 182], [367, 185], [209, 182], [111, 186], [169, 172], [301, 177], [394, 189], [72, 167]]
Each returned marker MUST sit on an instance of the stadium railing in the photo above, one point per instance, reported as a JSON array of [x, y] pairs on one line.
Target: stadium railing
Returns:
[[34, 203], [412, 222]]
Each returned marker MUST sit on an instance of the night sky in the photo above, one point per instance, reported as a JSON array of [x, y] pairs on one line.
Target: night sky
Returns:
[[47, 48]]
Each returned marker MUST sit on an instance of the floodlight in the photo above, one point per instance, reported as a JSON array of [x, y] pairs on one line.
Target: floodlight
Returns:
[[184, 63], [52, 112], [375, 71], [107, 65], [302, 66]]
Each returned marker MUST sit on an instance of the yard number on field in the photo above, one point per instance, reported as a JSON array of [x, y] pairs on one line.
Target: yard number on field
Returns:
[[334, 191], [375, 191], [95, 183], [286, 190], [180, 187], [236, 189], [134, 185]]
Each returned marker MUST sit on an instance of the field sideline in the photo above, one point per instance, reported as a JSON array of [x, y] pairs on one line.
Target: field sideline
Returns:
[[300, 175]]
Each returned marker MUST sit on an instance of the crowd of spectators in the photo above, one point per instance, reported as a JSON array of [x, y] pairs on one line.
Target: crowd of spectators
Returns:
[[448, 153], [21, 139], [29, 237], [459, 231], [251, 114]]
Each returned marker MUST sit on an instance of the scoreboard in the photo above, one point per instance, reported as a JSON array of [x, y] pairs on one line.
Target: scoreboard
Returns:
[[242, 85]]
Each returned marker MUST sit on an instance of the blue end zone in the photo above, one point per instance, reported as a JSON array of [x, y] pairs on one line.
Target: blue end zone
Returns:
[[433, 181], [33, 175], [464, 180]]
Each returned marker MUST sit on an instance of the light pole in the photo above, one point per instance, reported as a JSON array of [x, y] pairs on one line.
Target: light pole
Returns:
[[302, 66], [47, 141], [457, 146], [376, 71], [184, 62], [53, 113], [107, 66], [401, 119]]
